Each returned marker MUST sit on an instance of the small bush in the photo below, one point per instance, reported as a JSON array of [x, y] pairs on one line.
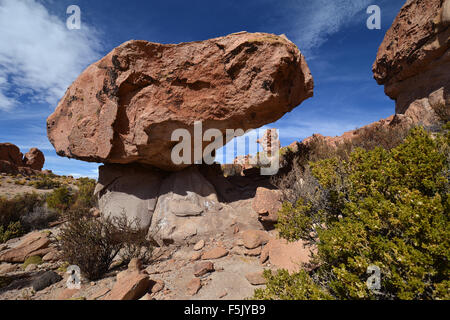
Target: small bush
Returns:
[[92, 244], [85, 198], [60, 199], [298, 286], [46, 183], [39, 218], [20, 182], [133, 239], [89, 243], [13, 230], [12, 210]]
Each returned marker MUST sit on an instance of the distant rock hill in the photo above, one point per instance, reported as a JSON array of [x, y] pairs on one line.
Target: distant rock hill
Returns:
[[12, 161]]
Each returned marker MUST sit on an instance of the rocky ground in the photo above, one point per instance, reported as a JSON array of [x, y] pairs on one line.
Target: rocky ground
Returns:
[[227, 266]]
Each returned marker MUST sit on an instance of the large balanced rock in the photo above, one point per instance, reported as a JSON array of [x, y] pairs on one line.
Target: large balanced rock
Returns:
[[413, 62], [124, 108]]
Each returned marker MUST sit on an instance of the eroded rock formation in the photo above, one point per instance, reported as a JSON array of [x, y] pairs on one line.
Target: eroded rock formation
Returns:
[[413, 62], [12, 161], [124, 108]]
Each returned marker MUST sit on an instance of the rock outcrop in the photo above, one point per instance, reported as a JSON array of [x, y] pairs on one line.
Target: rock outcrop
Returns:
[[128, 190], [124, 108], [34, 159], [413, 62], [35, 243], [12, 161], [187, 206]]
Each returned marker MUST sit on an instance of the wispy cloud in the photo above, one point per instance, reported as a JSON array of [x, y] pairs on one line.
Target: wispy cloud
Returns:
[[313, 22], [39, 56]]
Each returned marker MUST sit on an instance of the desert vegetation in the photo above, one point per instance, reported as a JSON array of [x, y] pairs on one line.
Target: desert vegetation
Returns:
[[384, 206], [93, 243], [25, 212]]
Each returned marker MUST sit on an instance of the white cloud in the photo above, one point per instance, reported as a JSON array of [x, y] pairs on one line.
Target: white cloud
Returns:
[[39, 56], [314, 21]]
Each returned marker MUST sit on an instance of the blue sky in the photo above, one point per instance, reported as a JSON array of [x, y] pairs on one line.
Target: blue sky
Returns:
[[40, 57]]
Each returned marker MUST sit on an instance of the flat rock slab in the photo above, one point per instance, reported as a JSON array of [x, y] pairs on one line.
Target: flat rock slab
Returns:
[[34, 243], [215, 253], [131, 286], [45, 280]]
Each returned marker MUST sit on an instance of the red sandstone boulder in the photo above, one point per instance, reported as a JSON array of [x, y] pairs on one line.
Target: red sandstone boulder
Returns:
[[12, 160], [131, 285], [267, 203], [34, 159], [10, 153], [413, 62], [254, 238], [124, 108], [35, 243]]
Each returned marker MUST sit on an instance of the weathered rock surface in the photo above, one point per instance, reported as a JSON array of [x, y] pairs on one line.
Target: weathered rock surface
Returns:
[[215, 253], [414, 59], [291, 256], [267, 203], [131, 285], [32, 244], [255, 278], [34, 159], [12, 161], [46, 279], [202, 268], [187, 206], [193, 286], [199, 245], [156, 286], [124, 108], [254, 238], [10, 153], [7, 268], [130, 190]]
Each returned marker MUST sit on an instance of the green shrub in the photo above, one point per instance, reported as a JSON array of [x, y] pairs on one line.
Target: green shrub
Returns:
[[388, 208], [298, 286], [46, 183], [32, 260], [13, 230], [85, 196], [12, 210], [60, 199]]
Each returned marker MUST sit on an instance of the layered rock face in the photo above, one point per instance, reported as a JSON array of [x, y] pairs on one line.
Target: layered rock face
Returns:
[[124, 108], [413, 62], [12, 161]]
